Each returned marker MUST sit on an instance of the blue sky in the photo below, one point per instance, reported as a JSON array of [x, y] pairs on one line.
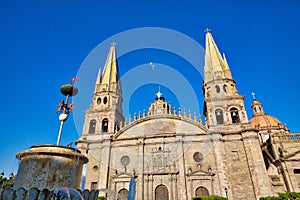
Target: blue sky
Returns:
[[44, 44]]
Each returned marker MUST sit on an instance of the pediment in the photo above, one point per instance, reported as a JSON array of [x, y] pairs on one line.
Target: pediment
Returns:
[[124, 175], [159, 125], [200, 173]]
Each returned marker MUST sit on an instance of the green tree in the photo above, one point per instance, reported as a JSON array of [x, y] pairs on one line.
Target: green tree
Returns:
[[284, 196], [7, 182], [211, 197]]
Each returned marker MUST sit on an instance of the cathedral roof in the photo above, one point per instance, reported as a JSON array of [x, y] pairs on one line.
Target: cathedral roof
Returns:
[[261, 120]]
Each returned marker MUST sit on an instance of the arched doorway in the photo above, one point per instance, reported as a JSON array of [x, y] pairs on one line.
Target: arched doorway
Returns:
[[123, 194], [161, 193], [201, 191]]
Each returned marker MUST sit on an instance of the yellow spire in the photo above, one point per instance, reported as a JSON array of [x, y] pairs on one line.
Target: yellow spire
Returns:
[[110, 75], [215, 66], [226, 68], [98, 81]]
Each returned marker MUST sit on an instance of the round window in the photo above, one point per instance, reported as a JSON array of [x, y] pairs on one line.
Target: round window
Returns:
[[125, 160], [198, 157]]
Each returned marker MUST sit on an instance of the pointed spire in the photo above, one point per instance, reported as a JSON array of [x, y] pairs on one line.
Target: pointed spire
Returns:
[[109, 81], [226, 68], [98, 81], [216, 66]]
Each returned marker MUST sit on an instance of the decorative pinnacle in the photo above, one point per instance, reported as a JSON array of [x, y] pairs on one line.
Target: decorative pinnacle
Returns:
[[113, 43], [253, 95]]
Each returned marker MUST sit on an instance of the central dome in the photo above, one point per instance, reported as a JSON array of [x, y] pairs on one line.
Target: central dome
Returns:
[[261, 120]]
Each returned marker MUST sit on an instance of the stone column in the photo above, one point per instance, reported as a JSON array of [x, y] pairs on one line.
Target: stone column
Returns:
[[147, 187], [151, 187], [140, 170], [105, 166], [171, 187], [189, 188], [176, 188], [181, 166]]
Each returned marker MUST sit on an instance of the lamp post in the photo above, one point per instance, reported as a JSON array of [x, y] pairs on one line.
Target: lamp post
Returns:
[[226, 192], [65, 108]]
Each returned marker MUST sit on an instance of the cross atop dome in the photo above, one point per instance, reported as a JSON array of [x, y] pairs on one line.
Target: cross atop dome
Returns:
[[158, 94]]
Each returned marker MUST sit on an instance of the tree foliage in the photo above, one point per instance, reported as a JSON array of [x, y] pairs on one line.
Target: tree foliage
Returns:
[[284, 196], [211, 197], [4, 182]]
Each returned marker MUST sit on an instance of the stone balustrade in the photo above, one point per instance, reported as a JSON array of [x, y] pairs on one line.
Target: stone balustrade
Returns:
[[140, 116]]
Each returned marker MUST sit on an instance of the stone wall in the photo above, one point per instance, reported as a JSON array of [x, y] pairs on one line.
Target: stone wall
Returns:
[[45, 194]]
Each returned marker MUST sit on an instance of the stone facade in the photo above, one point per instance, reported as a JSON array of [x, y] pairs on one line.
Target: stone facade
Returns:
[[172, 155]]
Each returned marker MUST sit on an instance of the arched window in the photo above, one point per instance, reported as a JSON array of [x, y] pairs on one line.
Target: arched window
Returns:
[[117, 126], [225, 88], [201, 191], [217, 89], [219, 116], [98, 100], [105, 100], [161, 193], [92, 128], [104, 125], [123, 194], [234, 115]]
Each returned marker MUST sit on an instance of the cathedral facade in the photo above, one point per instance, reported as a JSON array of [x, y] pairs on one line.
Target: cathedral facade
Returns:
[[172, 155]]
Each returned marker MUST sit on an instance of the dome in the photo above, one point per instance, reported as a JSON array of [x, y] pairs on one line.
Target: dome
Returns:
[[261, 120], [264, 121]]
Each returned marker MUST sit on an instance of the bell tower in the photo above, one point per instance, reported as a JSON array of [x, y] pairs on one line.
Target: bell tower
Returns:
[[223, 105], [105, 113]]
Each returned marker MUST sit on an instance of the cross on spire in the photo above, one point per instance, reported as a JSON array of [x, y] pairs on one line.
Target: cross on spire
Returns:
[[253, 95], [207, 30], [113, 43]]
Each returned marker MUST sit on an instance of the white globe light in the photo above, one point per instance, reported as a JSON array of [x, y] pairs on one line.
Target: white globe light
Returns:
[[63, 117]]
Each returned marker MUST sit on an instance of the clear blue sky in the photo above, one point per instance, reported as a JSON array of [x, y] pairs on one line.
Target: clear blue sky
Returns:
[[44, 43]]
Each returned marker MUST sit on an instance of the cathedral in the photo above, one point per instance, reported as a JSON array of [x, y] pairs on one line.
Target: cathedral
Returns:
[[172, 155]]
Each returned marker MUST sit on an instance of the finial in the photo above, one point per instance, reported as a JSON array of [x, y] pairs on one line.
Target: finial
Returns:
[[253, 95], [207, 30], [158, 94], [113, 43]]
